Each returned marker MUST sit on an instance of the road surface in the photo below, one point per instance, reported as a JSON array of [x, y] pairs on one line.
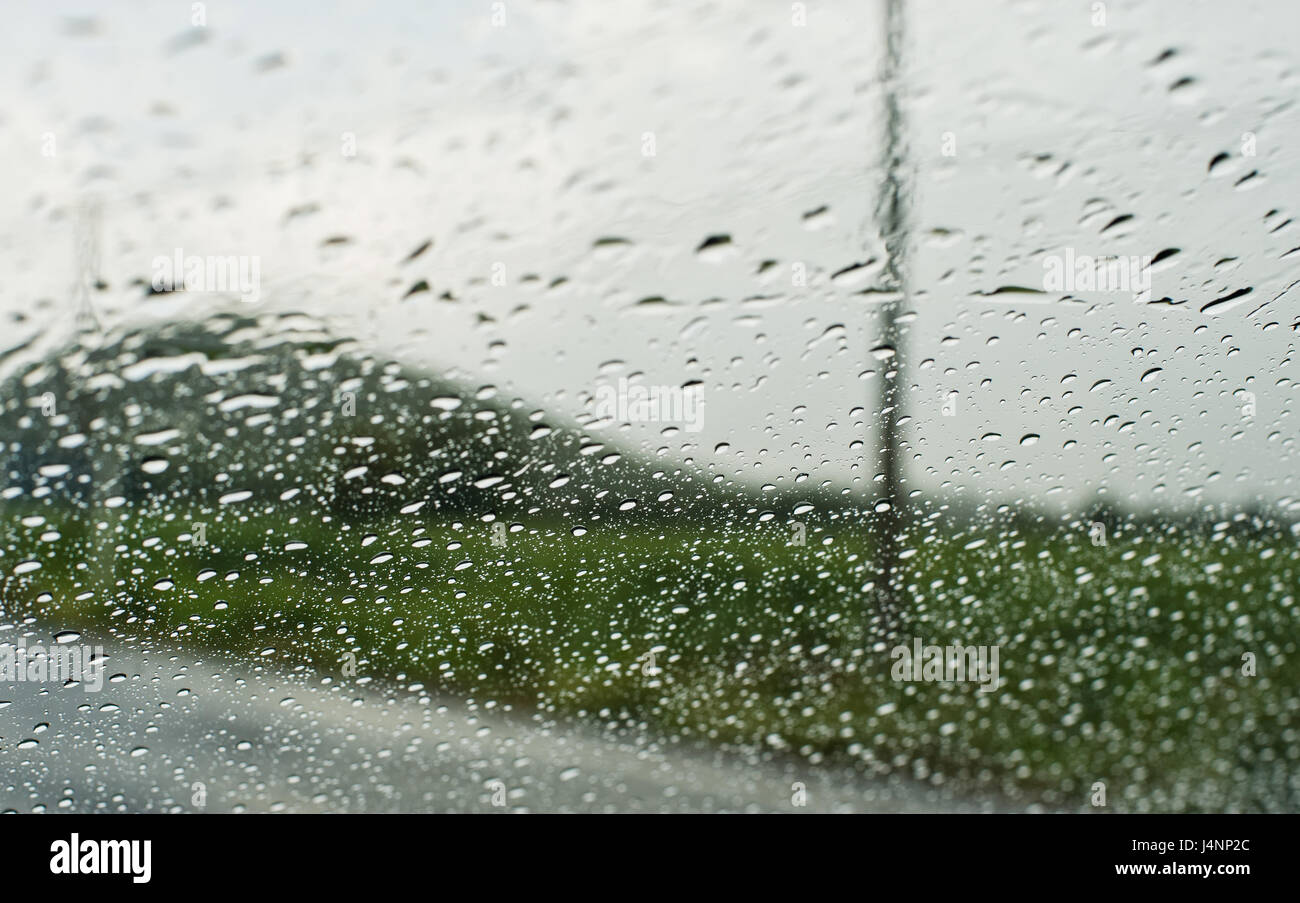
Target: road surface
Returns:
[[179, 733]]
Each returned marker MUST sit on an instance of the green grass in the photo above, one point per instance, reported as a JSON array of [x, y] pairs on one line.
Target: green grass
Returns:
[[1116, 666]]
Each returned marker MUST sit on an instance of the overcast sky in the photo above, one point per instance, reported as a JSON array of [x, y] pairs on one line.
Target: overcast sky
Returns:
[[523, 144]]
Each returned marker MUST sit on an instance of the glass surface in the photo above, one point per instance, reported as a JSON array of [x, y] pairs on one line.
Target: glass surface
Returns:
[[716, 406]]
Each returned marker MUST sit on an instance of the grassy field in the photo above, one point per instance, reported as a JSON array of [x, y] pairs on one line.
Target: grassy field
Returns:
[[1120, 663]]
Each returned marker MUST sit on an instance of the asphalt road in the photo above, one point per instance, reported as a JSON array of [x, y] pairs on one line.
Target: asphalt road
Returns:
[[180, 734]]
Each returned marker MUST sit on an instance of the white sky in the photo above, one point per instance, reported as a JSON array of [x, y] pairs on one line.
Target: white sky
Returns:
[[523, 144]]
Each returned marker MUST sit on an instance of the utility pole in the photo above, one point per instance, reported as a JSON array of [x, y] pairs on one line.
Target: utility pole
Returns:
[[86, 264], [891, 214]]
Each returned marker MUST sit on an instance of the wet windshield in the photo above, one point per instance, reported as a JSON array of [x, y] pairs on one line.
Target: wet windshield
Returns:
[[460, 407]]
